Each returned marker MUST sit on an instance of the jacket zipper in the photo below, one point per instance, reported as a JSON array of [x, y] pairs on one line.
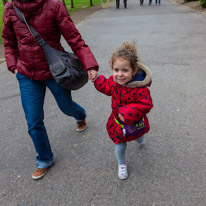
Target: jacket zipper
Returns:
[[120, 89]]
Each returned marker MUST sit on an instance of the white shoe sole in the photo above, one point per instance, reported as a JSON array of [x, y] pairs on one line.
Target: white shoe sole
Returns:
[[38, 177], [80, 130]]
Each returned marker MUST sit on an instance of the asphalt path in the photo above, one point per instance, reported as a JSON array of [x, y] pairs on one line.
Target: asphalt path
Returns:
[[169, 171]]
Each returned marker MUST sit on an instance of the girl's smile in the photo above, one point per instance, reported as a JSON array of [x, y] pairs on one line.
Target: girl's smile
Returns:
[[122, 71]]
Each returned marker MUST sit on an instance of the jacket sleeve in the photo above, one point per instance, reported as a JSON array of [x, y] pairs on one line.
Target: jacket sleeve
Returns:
[[103, 85], [10, 42], [136, 111], [74, 39]]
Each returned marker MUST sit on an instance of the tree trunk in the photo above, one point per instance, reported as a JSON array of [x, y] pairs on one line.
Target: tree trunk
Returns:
[[4, 1], [91, 4], [72, 4], [64, 3]]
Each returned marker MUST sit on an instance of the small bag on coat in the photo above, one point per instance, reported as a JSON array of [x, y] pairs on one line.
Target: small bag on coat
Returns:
[[134, 129]]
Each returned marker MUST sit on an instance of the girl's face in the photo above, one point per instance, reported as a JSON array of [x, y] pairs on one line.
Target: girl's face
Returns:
[[122, 71]]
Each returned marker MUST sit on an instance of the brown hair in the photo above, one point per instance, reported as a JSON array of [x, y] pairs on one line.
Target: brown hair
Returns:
[[127, 51]]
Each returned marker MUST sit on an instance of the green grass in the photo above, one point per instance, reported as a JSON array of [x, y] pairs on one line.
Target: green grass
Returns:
[[78, 5]]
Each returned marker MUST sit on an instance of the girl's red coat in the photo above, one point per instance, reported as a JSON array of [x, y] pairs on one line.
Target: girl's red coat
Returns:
[[51, 19], [132, 103]]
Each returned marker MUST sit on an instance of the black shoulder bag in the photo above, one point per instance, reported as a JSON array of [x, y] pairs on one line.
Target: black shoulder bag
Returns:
[[65, 67]]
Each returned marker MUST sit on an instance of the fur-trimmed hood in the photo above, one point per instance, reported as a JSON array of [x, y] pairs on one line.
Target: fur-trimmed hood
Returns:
[[142, 78]]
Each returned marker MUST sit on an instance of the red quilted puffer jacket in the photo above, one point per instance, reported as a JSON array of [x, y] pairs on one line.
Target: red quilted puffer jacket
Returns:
[[132, 101], [51, 19]]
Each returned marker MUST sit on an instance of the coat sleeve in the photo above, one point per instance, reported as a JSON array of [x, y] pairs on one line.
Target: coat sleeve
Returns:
[[74, 39], [136, 111], [103, 85], [10, 42]]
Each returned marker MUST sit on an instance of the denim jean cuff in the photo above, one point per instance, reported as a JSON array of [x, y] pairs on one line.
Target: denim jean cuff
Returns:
[[45, 164], [82, 119], [140, 140]]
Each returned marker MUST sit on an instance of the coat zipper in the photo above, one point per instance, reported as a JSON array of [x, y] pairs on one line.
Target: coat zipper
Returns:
[[120, 95]]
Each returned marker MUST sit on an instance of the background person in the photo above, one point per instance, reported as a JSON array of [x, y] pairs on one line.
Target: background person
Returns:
[[159, 2], [118, 4], [141, 2]]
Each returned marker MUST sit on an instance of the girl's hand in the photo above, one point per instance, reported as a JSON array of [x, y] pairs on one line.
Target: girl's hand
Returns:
[[121, 117]]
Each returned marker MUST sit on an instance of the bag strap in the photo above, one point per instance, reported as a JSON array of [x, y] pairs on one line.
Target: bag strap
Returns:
[[118, 123], [40, 41], [137, 125]]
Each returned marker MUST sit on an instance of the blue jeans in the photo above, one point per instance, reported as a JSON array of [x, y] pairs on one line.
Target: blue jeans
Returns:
[[32, 97]]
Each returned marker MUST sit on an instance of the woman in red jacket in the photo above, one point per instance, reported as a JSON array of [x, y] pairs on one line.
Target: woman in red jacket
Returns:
[[25, 58], [131, 101]]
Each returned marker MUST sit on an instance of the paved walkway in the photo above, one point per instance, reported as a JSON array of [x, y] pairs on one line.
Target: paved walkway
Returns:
[[169, 171]]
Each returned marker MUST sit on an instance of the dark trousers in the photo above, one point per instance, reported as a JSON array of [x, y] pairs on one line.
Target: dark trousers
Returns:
[[117, 4]]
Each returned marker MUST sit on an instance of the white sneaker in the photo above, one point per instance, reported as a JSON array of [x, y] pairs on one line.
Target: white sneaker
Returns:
[[122, 171]]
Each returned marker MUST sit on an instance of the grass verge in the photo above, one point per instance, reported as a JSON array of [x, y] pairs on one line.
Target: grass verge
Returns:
[[78, 5]]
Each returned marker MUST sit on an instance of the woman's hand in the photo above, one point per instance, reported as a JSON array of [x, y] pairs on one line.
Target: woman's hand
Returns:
[[92, 74], [15, 71]]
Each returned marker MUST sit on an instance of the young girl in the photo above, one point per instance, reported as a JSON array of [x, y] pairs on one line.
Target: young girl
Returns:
[[131, 101]]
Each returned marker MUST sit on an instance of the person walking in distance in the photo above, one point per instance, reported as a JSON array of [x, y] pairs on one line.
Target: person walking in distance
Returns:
[[118, 4], [125, 4], [159, 2], [25, 58], [131, 101], [141, 2]]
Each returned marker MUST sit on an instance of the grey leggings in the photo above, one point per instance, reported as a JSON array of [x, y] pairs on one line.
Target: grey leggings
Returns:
[[120, 150]]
